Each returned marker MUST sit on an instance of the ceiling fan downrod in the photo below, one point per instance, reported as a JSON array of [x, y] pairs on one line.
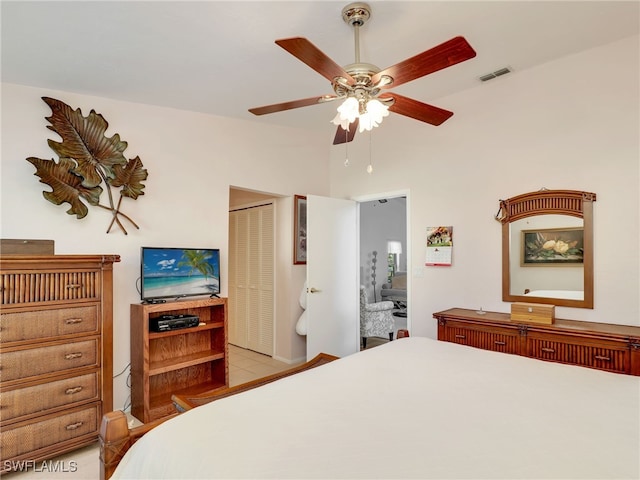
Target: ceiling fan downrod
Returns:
[[356, 15]]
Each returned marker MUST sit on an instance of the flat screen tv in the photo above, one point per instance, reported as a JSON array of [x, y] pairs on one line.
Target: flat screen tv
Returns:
[[172, 273]]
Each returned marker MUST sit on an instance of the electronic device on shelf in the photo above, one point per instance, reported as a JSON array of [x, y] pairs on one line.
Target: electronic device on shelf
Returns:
[[174, 273], [165, 323]]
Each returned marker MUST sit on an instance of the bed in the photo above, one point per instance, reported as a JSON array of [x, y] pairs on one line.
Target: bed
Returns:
[[566, 294], [412, 408]]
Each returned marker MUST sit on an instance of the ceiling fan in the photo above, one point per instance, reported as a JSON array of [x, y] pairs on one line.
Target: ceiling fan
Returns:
[[363, 85]]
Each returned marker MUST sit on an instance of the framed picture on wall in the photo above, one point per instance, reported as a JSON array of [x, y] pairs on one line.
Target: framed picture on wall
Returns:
[[552, 247], [299, 230]]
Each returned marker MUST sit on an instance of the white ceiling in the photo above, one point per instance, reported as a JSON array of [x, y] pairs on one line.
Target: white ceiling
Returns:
[[220, 57]]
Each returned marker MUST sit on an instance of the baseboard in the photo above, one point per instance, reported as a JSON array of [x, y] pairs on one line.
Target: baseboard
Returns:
[[290, 361]]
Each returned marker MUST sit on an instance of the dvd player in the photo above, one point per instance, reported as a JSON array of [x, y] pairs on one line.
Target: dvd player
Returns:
[[164, 323]]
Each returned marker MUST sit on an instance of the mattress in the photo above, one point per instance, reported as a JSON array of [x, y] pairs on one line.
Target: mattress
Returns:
[[411, 408]]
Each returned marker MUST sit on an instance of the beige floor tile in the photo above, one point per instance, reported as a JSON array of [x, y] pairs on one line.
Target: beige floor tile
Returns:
[[241, 376], [244, 362]]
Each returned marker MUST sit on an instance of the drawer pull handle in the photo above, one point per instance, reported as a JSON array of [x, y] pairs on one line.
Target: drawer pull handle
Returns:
[[71, 391], [497, 342], [73, 426], [71, 356], [461, 336], [73, 321], [602, 357], [73, 286], [548, 350]]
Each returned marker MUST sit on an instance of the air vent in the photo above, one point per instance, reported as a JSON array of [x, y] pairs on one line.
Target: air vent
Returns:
[[497, 73]]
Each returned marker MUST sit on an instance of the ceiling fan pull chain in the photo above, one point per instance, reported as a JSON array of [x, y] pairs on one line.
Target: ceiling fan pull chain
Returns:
[[346, 147], [370, 166]]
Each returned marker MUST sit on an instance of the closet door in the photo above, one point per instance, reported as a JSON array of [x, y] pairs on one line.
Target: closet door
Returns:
[[237, 314], [260, 279], [251, 270]]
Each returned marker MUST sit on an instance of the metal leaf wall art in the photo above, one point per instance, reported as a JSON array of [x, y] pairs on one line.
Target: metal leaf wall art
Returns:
[[87, 160]]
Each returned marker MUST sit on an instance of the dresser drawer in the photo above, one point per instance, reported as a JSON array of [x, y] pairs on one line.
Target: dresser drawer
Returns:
[[48, 323], [38, 399], [610, 356], [24, 364], [506, 340], [24, 438], [29, 287]]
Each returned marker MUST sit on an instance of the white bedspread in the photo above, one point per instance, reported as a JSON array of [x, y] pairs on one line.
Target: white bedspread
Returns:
[[413, 408]]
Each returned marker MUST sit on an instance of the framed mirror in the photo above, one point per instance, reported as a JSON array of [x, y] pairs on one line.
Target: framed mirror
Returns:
[[547, 248]]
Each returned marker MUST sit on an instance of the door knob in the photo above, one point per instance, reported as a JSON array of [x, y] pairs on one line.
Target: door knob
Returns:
[[312, 290]]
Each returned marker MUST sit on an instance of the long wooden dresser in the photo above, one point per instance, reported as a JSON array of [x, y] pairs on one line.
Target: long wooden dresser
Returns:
[[56, 342], [603, 346]]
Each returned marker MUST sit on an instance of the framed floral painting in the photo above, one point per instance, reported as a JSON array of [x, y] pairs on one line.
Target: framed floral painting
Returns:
[[552, 247]]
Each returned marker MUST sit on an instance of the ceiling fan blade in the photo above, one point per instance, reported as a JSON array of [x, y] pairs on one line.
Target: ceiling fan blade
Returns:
[[444, 55], [417, 110], [307, 52], [279, 107], [344, 136]]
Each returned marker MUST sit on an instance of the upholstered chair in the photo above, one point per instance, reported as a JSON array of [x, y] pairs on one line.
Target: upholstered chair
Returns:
[[376, 319]]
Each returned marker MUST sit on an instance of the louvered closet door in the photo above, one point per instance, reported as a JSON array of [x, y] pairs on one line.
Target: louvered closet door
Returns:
[[237, 314], [260, 279], [251, 268]]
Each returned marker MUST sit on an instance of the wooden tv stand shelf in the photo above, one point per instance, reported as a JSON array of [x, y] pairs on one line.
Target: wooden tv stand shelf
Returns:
[[603, 346], [185, 361]]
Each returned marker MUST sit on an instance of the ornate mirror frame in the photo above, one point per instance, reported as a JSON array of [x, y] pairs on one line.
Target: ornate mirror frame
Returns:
[[549, 202]]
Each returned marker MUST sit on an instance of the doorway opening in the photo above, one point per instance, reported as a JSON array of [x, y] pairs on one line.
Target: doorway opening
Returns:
[[384, 260]]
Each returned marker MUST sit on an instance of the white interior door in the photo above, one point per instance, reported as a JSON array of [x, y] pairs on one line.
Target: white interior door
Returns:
[[332, 277]]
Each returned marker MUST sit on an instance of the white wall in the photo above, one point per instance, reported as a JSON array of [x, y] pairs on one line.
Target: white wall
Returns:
[[568, 124], [291, 346], [192, 160]]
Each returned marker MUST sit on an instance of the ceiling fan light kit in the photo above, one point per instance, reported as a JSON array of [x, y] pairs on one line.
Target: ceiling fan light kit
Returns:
[[362, 86]]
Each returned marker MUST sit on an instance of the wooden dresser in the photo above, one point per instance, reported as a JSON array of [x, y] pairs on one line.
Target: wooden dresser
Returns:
[[603, 346], [56, 342]]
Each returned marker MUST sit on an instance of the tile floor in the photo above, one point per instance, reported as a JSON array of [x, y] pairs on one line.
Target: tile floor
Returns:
[[83, 464]]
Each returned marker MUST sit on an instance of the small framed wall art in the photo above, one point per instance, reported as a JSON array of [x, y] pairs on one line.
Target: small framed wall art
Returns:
[[299, 230]]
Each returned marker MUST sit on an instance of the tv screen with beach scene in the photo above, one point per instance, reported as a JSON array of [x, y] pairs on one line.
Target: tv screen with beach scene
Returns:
[[173, 273]]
